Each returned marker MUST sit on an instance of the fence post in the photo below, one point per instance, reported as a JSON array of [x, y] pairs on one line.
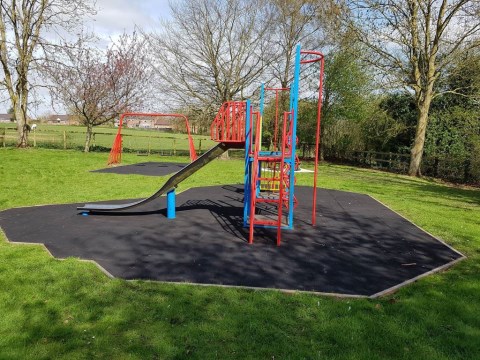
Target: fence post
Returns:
[[174, 147], [199, 146], [4, 136], [34, 138], [64, 140], [149, 138]]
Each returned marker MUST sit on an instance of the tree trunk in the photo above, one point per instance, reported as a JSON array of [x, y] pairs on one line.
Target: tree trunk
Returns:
[[22, 128], [416, 153], [88, 138]]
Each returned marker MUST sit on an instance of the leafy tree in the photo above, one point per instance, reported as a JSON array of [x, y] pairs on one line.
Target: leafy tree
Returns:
[[348, 99], [307, 121], [414, 42], [454, 131], [397, 124]]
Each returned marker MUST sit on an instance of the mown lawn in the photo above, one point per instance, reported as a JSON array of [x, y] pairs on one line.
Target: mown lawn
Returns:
[[71, 310]]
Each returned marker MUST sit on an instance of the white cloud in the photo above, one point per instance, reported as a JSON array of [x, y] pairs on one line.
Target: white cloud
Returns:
[[115, 16]]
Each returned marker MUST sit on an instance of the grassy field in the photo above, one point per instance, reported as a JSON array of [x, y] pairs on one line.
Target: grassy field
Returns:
[[133, 139], [71, 310]]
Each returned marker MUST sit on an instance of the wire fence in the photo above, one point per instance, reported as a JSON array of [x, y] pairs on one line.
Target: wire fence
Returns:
[[464, 170]]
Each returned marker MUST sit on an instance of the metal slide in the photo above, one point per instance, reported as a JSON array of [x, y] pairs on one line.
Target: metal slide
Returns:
[[171, 183]]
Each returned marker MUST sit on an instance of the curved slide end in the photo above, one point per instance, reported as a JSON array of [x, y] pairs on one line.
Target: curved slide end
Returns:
[[171, 183]]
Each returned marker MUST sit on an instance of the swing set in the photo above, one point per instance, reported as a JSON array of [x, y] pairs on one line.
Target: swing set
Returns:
[[115, 156]]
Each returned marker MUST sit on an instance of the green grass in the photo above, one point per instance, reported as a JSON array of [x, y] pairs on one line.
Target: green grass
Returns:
[[133, 139], [71, 310]]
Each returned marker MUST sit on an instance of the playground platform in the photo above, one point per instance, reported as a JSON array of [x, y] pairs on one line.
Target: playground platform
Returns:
[[358, 248]]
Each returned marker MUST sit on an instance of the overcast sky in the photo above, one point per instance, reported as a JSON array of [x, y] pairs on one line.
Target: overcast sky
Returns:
[[115, 16]]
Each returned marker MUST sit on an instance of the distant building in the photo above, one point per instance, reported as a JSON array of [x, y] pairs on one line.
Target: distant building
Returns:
[[163, 124], [158, 123], [132, 123], [5, 118], [63, 120], [144, 124]]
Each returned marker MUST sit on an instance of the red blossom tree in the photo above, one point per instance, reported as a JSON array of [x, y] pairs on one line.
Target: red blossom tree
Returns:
[[98, 86]]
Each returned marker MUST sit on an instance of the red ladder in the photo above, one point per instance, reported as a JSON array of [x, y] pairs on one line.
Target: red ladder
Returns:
[[272, 171]]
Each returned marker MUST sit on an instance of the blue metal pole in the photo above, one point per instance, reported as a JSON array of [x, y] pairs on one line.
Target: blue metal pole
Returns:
[[247, 178], [262, 102], [294, 107], [171, 204], [262, 98]]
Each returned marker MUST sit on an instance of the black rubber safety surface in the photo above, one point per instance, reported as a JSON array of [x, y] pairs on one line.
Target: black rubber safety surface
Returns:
[[146, 168], [359, 247]]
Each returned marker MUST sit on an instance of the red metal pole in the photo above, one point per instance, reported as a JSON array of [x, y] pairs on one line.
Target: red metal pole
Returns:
[[317, 141], [120, 126], [275, 141], [320, 58]]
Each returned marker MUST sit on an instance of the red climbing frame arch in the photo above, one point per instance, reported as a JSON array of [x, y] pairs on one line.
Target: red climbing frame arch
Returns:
[[116, 152]]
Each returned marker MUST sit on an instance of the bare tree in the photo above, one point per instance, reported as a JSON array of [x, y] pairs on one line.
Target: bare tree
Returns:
[[414, 42], [23, 25], [97, 87], [212, 51], [298, 21]]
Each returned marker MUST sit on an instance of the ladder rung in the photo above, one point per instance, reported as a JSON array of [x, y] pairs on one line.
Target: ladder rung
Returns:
[[269, 179], [266, 200], [271, 219], [267, 195], [270, 158], [265, 222]]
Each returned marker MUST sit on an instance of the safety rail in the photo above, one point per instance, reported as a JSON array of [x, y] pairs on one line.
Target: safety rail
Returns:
[[229, 124]]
